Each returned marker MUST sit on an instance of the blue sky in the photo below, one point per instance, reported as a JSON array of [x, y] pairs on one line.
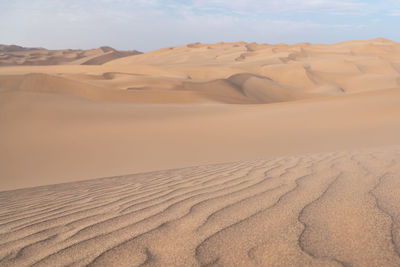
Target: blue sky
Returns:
[[150, 24]]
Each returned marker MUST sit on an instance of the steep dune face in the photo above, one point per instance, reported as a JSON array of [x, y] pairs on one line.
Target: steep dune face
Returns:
[[263, 89], [243, 88]]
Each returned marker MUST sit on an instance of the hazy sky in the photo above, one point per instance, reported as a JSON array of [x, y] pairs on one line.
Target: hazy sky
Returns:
[[149, 24]]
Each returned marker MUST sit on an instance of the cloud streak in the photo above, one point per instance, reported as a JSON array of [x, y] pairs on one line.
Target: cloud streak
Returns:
[[150, 24]]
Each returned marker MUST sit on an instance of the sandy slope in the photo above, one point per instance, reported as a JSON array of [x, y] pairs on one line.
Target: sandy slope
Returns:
[[171, 108], [81, 139], [70, 122], [313, 131], [326, 209]]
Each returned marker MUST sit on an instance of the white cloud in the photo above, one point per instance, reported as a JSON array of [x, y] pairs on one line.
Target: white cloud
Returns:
[[285, 6], [150, 24], [394, 13]]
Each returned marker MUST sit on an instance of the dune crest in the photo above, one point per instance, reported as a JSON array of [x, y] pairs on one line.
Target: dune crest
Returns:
[[199, 73]]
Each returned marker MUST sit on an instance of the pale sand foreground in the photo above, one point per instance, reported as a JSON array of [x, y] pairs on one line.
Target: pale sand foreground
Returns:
[[326, 209]]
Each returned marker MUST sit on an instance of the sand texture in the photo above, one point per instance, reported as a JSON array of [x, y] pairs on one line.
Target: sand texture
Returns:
[[327, 209], [226, 154]]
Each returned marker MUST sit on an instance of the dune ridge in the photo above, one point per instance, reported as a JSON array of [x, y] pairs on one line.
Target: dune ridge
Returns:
[[233, 73]]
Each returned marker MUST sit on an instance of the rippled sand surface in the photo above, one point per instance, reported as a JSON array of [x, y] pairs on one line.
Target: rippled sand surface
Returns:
[[326, 209]]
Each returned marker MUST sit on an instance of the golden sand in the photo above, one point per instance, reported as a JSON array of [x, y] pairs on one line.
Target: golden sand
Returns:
[[295, 148]]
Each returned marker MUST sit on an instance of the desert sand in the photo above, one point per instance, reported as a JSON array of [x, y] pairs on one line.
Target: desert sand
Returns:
[[232, 154], [11, 55]]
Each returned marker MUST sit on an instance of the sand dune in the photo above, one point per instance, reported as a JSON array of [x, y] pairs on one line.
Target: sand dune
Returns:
[[296, 151], [238, 89], [72, 122], [16, 55], [220, 72], [328, 209], [60, 138]]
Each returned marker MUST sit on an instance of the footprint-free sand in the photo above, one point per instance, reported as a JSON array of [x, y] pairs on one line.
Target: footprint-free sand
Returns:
[[227, 154]]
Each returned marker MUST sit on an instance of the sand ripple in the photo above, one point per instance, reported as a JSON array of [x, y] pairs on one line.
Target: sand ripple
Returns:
[[327, 209]]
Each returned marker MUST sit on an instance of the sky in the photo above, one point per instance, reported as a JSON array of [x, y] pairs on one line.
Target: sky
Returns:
[[145, 25]]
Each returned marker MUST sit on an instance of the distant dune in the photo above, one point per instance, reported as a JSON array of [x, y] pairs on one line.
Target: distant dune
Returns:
[[295, 148], [230, 73], [11, 55]]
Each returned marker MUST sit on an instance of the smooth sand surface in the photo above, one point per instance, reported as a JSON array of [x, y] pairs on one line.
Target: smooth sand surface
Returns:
[[312, 131]]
